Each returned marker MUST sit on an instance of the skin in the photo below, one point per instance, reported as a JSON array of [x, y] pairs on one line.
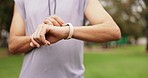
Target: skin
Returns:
[[103, 29]]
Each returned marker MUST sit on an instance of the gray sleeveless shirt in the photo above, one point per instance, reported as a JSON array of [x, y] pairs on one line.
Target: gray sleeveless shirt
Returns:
[[63, 59]]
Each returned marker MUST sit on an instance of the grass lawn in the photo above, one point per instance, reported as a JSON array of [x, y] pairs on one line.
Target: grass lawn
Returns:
[[125, 62]]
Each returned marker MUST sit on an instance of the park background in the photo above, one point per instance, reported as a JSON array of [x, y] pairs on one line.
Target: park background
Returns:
[[125, 58]]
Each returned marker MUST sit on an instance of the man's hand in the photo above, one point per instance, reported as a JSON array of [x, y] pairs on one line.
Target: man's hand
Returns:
[[37, 39], [54, 20], [49, 32], [55, 33]]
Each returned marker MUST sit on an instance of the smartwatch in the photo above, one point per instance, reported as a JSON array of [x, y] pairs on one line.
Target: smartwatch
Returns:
[[71, 30]]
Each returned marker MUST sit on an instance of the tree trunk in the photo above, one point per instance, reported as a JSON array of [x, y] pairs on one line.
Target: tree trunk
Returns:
[[147, 45], [146, 19], [147, 39]]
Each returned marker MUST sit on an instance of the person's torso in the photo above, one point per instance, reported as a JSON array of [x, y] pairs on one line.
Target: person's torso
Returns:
[[63, 59]]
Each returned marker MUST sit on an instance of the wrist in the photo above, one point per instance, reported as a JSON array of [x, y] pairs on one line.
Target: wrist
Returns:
[[66, 32], [71, 30]]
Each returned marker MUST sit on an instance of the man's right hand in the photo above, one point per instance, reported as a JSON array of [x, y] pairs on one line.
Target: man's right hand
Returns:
[[54, 20], [38, 39]]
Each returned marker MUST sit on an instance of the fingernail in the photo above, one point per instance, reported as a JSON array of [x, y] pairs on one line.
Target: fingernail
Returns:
[[38, 46], [48, 43]]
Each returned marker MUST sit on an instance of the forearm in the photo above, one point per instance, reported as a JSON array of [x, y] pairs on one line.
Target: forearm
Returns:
[[19, 44], [97, 33]]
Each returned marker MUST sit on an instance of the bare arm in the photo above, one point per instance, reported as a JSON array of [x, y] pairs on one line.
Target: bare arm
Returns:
[[18, 43], [103, 27]]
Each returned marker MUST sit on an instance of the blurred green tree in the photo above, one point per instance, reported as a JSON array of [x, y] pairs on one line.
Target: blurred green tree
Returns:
[[6, 12], [130, 15], [127, 14]]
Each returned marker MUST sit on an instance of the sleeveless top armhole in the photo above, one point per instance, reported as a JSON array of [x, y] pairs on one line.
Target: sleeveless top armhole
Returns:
[[85, 4], [85, 21], [21, 8]]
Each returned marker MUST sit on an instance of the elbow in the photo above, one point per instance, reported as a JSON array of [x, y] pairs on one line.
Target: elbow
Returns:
[[12, 49], [117, 34], [114, 31]]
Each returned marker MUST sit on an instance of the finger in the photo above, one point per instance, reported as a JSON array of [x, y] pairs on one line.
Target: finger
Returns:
[[34, 42], [47, 21], [54, 22], [36, 36], [32, 45], [44, 40], [42, 36], [58, 19]]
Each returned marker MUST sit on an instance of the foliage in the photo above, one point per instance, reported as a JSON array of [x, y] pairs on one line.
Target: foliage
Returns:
[[6, 12], [127, 14]]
